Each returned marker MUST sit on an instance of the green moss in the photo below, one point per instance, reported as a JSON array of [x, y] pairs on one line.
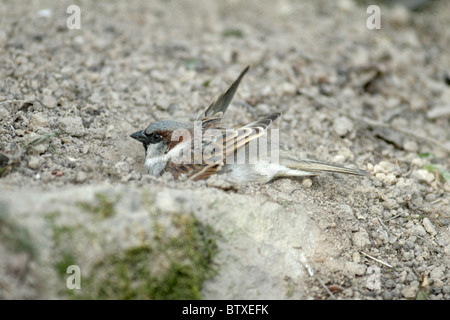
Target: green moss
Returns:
[[64, 231], [51, 216], [172, 268], [285, 203], [422, 294], [14, 236], [64, 239], [233, 32], [67, 259], [171, 265], [191, 63], [103, 206], [61, 233], [445, 175]]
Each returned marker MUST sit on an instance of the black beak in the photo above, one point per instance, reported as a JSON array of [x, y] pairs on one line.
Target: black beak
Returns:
[[139, 136]]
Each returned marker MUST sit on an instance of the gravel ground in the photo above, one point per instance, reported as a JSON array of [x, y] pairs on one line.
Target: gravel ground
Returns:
[[375, 99]]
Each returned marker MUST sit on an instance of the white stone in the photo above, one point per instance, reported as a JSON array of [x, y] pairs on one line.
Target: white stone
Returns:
[[355, 268], [439, 112], [49, 101], [342, 126], [361, 239], [38, 120], [288, 88], [437, 273], [72, 126], [410, 145], [80, 177], [36, 148], [424, 175], [34, 162], [410, 292], [307, 183], [429, 227], [389, 179]]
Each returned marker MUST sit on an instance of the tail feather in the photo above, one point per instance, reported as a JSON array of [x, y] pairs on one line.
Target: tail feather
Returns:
[[317, 167]]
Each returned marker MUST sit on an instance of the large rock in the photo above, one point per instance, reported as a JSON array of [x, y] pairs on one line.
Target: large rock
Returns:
[[150, 243]]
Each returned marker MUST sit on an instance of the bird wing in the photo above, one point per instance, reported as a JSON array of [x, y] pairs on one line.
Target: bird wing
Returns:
[[220, 105], [237, 139], [192, 171], [217, 146]]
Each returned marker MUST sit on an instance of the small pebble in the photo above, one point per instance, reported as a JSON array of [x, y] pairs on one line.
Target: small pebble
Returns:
[[122, 167], [392, 239], [20, 132], [424, 175], [430, 197], [130, 160], [387, 214], [72, 126], [288, 88], [429, 227], [389, 179], [80, 177], [411, 291], [441, 241], [39, 148], [418, 230], [49, 101], [390, 284], [34, 162], [375, 211], [339, 158], [38, 120], [439, 112], [355, 268], [410, 146], [342, 126], [377, 183], [437, 273], [400, 15], [45, 13], [361, 239], [390, 204], [446, 289], [307, 183], [263, 108], [447, 187]]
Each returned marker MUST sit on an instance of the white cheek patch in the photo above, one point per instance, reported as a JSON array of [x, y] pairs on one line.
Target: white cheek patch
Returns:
[[156, 161], [153, 151], [181, 153], [155, 166]]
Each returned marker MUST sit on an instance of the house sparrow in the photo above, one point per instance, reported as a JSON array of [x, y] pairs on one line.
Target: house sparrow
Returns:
[[241, 155]]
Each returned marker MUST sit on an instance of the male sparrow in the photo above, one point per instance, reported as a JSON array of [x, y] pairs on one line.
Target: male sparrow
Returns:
[[241, 155]]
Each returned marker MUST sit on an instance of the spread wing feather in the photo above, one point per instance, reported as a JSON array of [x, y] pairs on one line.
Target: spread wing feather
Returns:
[[222, 143], [220, 105]]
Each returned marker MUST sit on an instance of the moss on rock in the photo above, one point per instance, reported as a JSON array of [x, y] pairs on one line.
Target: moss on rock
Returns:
[[103, 206], [165, 267], [14, 236]]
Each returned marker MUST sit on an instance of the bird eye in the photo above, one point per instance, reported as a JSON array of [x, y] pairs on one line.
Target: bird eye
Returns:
[[154, 137]]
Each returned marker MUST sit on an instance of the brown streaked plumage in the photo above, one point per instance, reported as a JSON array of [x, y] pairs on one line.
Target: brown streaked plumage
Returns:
[[219, 145]]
